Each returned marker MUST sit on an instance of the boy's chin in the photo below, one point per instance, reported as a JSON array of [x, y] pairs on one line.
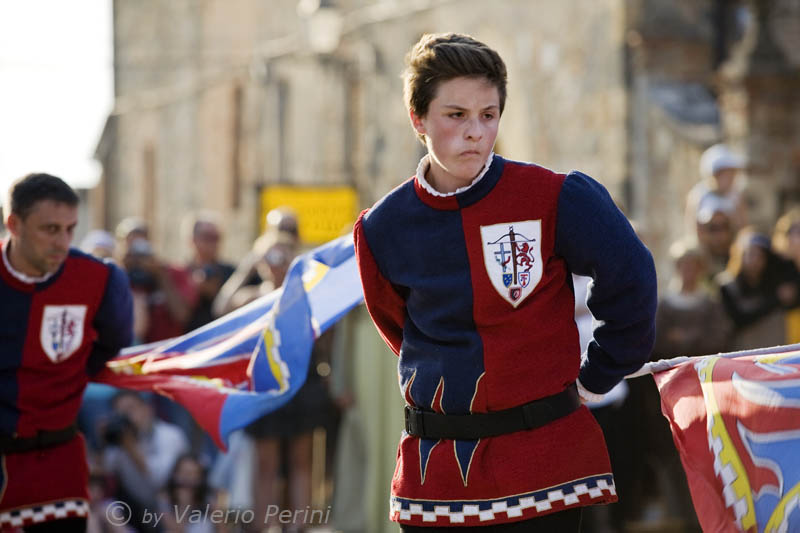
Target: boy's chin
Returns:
[[472, 172]]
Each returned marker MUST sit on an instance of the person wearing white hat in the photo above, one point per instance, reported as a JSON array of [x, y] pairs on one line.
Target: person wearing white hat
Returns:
[[99, 243], [719, 187]]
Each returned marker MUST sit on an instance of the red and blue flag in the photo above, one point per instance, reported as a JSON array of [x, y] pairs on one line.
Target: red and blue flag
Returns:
[[253, 360], [735, 419]]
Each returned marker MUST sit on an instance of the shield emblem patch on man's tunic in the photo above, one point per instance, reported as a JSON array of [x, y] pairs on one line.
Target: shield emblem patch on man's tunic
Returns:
[[62, 330]]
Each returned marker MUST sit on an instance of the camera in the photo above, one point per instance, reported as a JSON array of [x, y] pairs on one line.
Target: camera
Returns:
[[118, 425], [140, 250], [141, 279]]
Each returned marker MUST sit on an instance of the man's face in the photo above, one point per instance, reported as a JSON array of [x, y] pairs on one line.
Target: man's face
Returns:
[[725, 179], [460, 129], [275, 263], [40, 242], [690, 269], [716, 235], [206, 241]]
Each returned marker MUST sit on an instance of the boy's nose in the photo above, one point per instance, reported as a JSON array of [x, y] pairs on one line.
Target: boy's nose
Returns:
[[473, 130]]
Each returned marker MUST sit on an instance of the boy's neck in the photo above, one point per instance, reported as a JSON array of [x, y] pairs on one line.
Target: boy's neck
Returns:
[[440, 185]]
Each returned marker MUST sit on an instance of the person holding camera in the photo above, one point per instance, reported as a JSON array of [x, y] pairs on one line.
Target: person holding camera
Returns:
[[163, 295], [141, 450], [63, 314], [205, 269]]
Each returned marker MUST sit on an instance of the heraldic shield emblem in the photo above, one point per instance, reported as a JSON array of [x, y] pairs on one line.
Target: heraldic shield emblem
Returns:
[[512, 252], [62, 330]]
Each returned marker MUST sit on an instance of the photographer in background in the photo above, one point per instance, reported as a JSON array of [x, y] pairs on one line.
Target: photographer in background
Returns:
[[124, 465], [141, 450], [268, 261], [204, 268], [163, 295]]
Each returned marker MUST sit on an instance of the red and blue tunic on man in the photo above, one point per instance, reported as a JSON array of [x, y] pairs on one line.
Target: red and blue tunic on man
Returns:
[[473, 292], [54, 333]]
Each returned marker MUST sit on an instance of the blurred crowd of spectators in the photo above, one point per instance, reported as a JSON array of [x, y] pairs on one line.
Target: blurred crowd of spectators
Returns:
[[735, 286], [732, 287]]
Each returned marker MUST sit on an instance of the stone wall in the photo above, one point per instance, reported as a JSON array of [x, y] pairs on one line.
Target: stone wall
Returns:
[[217, 99], [760, 102], [187, 131], [566, 98]]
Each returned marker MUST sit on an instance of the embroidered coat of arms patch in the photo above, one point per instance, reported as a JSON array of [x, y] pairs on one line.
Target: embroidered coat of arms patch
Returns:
[[62, 330], [512, 254]]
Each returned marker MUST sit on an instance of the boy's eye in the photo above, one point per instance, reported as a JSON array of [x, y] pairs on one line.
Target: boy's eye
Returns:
[[488, 116], [457, 114]]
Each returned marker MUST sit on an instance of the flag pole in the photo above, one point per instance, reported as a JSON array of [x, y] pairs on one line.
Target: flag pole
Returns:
[[665, 364]]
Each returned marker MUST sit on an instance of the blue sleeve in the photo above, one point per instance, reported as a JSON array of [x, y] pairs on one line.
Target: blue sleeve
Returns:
[[113, 320], [596, 240]]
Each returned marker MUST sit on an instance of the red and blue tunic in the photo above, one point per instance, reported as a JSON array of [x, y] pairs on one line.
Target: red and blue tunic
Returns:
[[54, 334], [473, 292]]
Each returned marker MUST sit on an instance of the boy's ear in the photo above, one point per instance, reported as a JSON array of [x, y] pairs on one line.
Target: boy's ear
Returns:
[[416, 122]]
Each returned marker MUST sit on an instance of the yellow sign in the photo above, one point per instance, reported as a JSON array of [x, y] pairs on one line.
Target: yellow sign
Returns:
[[323, 213]]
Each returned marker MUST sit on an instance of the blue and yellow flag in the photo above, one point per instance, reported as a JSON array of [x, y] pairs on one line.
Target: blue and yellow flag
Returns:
[[253, 360]]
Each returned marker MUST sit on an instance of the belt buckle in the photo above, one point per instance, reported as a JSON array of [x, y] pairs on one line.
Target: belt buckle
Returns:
[[413, 419]]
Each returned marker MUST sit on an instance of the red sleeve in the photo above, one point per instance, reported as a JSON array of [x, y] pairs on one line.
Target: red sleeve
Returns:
[[386, 307]]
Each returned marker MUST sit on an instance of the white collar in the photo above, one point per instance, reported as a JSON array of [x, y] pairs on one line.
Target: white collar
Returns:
[[24, 278], [425, 164]]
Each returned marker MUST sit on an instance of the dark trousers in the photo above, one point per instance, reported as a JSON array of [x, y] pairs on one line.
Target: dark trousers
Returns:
[[561, 522]]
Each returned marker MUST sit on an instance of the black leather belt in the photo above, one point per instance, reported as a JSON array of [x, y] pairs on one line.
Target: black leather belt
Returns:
[[43, 439], [430, 425]]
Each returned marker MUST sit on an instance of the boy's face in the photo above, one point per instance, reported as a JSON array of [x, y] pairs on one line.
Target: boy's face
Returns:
[[460, 129]]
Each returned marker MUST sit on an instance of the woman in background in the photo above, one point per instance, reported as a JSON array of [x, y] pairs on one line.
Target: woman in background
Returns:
[[786, 241], [753, 290]]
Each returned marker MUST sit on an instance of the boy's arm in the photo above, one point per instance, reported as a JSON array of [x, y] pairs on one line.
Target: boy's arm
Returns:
[[386, 307], [596, 240]]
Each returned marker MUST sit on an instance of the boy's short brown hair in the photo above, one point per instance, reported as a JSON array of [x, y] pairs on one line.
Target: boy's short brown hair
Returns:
[[440, 57]]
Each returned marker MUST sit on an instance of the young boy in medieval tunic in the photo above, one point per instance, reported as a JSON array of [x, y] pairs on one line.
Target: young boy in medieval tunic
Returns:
[[466, 269]]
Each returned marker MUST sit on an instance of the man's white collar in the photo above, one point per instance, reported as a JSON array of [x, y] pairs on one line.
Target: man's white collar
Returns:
[[24, 278], [425, 164]]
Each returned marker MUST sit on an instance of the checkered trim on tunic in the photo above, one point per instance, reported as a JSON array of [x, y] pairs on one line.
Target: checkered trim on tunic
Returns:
[[43, 513], [503, 509]]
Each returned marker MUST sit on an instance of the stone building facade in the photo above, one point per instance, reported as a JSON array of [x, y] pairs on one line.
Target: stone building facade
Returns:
[[700, 74], [218, 99], [215, 102]]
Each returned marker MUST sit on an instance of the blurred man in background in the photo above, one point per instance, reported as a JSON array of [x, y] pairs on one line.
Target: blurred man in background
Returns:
[[205, 269], [163, 294], [262, 270]]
